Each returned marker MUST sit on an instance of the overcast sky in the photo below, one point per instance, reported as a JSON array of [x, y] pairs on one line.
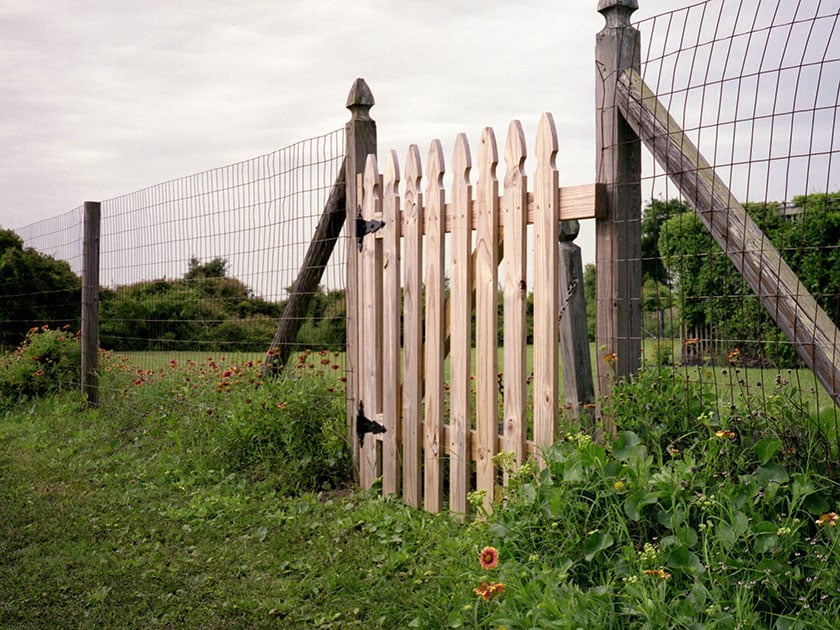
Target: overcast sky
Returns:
[[102, 98]]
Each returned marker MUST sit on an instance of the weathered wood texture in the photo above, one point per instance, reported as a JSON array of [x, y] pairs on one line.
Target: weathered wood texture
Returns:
[[460, 408], [546, 277], [434, 338], [370, 332], [515, 290], [795, 311], [360, 141], [309, 277], [618, 249], [90, 302], [486, 316], [443, 425], [574, 337]]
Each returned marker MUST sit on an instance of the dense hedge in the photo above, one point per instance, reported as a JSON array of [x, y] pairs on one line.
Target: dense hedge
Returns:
[[206, 310]]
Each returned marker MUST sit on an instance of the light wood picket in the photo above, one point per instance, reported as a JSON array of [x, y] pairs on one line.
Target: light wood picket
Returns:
[[369, 336], [391, 364], [546, 299], [460, 405], [486, 295], [514, 211], [413, 330], [434, 340]]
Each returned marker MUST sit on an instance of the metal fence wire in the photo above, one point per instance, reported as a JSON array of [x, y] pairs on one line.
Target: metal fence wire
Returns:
[[755, 87]]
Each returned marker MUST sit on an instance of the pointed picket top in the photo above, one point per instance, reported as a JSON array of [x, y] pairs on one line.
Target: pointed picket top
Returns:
[[391, 174], [547, 145], [434, 169], [372, 193], [515, 153], [461, 161], [360, 100], [413, 175], [488, 154]]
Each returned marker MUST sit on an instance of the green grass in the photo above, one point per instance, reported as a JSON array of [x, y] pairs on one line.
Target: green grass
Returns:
[[198, 496], [114, 522]]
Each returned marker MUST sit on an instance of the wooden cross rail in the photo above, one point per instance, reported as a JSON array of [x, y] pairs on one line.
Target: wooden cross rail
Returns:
[[585, 201]]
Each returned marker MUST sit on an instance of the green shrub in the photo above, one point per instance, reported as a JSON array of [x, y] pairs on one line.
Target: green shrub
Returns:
[[661, 405], [47, 361], [291, 430]]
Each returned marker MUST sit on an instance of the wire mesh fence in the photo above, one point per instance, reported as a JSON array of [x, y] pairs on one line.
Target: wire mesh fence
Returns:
[[198, 269], [755, 87], [205, 262]]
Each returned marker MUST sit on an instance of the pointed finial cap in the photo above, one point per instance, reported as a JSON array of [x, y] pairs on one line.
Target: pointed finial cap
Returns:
[[360, 100], [617, 12]]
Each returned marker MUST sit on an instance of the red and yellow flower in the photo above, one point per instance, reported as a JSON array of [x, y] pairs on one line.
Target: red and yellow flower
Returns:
[[489, 558]]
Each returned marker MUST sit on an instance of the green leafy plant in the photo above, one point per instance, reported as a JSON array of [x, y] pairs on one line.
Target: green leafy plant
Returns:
[[47, 361]]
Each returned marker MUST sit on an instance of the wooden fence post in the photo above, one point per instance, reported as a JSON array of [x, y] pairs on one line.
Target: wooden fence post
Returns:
[[361, 141], [90, 303], [618, 250], [574, 338]]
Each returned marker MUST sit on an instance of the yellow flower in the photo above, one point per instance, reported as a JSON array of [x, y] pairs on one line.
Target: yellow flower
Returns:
[[725, 434], [829, 519]]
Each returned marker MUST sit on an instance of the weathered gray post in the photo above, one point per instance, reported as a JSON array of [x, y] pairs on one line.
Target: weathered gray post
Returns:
[[361, 141], [618, 250], [90, 303], [574, 338]]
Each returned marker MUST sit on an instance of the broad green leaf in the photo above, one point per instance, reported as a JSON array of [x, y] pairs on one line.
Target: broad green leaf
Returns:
[[766, 448], [596, 543], [625, 445], [772, 472], [680, 557], [635, 502]]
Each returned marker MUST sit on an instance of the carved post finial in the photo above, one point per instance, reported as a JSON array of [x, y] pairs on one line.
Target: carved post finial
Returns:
[[617, 12], [360, 100]]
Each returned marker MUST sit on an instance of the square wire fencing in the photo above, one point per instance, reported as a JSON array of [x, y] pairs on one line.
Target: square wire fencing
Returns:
[[201, 267], [754, 88]]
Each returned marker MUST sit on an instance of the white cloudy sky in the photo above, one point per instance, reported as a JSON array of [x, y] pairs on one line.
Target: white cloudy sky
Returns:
[[101, 98]]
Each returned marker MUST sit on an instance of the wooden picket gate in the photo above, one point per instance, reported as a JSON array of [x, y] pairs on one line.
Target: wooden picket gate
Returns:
[[416, 427]]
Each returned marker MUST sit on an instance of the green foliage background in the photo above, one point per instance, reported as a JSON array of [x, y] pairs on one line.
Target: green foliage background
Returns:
[[711, 294], [34, 290], [207, 309]]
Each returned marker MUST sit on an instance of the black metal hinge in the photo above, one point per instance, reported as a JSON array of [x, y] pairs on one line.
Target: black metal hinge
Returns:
[[363, 228], [366, 425]]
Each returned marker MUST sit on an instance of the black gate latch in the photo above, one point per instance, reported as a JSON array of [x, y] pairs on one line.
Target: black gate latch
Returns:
[[364, 228], [366, 425]]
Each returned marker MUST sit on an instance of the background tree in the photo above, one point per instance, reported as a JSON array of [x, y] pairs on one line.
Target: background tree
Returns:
[[35, 289], [715, 302], [655, 214]]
